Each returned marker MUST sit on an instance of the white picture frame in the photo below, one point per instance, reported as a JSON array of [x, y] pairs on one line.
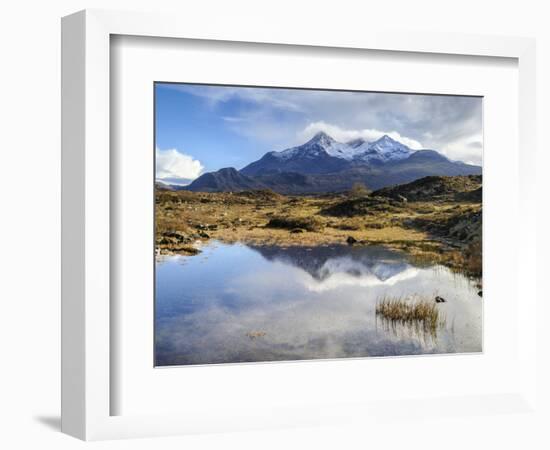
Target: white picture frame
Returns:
[[86, 215]]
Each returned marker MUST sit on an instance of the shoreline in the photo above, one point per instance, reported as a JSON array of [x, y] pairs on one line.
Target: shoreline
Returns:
[[444, 230], [421, 252]]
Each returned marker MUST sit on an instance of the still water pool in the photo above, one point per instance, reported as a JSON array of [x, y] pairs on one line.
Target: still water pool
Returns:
[[237, 303]]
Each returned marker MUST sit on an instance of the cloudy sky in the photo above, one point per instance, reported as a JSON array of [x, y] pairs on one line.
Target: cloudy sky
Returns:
[[204, 128]]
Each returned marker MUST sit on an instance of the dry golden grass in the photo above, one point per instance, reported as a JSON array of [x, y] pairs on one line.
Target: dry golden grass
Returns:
[[240, 218], [412, 311], [249, 217]]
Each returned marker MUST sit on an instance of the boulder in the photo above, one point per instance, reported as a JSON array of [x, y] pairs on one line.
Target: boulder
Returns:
[[174, 237], [401, 198]]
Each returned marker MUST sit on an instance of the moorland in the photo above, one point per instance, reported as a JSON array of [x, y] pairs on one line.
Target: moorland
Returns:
[[434, 219]]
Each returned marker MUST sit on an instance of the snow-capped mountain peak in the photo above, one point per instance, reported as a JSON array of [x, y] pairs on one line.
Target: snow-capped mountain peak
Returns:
[[321, 138], [386, 143], [384, 149], [387, 149], [323, 161], [319, 145]]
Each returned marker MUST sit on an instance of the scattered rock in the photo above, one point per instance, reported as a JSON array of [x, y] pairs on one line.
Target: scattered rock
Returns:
[[206, 226], [204, 235], [176, 235], [173, 238], [297, 230], [351, 240], [188, 249], [401, 198], [439, 299]]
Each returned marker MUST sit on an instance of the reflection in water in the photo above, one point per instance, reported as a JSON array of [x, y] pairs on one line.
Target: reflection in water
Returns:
[[417, 329], [235, 303]]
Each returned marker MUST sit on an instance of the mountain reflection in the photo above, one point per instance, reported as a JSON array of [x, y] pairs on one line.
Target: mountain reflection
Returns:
[[337, 265]]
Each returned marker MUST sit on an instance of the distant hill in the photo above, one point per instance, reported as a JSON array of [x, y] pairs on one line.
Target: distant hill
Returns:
[[324, 165], [392, 199], [436, 187], [224, 180], [159, 185]]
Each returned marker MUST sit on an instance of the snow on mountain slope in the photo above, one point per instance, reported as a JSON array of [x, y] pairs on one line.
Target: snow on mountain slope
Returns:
[[319, 144], [390, 149], [384, 149], [322, 154]]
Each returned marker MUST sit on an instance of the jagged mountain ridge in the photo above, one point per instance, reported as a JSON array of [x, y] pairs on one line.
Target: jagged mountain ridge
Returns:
[[323, 154], [324, 165]]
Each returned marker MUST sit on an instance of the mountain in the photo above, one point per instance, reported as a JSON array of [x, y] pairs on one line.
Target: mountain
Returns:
[[230, 179], [383, 150], [323, 154], [227, 179], [161, 186], [324, 165]]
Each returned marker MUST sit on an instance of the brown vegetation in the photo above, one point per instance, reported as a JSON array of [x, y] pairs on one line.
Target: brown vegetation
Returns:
[[297, 223], [358, 190], [444, 230], [410, 311]]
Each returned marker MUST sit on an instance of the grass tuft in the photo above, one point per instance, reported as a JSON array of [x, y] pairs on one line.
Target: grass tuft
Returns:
[[411, 311]]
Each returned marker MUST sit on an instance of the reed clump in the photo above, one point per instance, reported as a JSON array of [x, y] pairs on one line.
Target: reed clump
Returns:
[[411, 311]]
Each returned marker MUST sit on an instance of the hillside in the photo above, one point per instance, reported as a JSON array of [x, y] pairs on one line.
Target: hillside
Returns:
[[436, 188], [224, 180]]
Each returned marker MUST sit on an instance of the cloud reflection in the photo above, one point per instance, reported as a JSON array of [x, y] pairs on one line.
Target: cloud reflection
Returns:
[[302, 304]]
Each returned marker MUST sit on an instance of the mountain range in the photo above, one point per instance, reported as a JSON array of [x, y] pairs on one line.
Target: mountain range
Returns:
[[323, 165]]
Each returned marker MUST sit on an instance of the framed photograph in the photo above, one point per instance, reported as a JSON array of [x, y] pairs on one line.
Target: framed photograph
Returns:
[[266, 228], [345, 243]]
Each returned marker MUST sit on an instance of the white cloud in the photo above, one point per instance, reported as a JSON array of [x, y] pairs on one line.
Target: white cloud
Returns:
[[344, 135], [275, 119], [173, 165], [266, 97], [232, 119], [468, 149]]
